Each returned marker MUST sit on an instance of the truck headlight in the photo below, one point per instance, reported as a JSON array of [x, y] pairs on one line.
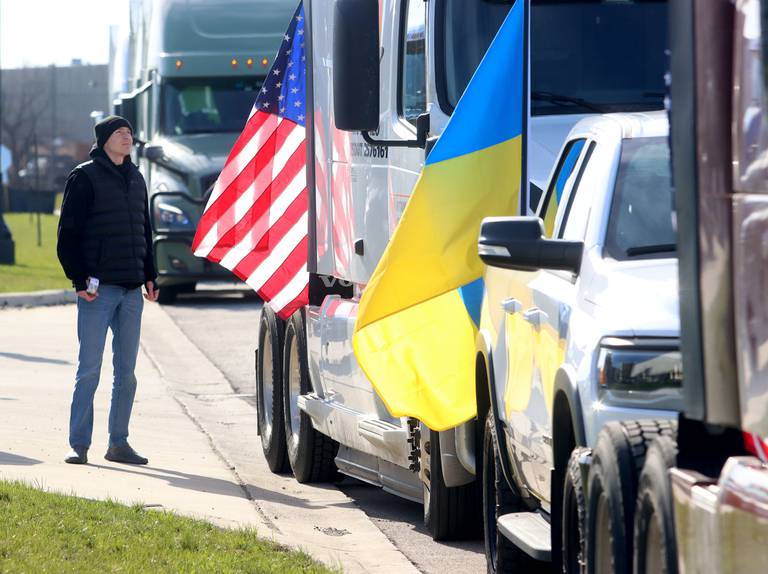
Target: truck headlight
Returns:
[[639, 364], [169, 216]]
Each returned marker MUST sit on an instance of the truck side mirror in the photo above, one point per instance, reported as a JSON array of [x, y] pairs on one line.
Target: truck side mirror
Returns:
[[356, 65], [519, 243], [152, 152]]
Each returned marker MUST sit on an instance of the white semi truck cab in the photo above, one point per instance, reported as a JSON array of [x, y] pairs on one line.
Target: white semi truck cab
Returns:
[[384, 77]]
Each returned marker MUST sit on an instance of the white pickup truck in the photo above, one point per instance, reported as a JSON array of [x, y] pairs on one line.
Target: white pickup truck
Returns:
[[580, 327]]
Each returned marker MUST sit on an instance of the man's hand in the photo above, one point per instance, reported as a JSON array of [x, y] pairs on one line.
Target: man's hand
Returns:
[[152, 293], [87, 296]]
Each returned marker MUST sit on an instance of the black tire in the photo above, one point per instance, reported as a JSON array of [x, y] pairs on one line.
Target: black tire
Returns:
[[574, 518], [499, 499], [167, 295], [186, 288], [269, 404], [311, 454], [655, 544], [450, 513], [617, 458]]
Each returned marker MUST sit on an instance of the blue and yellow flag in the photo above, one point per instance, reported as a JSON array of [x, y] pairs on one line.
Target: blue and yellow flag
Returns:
[[417, 320]]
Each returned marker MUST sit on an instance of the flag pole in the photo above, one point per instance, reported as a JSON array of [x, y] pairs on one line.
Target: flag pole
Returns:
[[310, 137], [524, 184]]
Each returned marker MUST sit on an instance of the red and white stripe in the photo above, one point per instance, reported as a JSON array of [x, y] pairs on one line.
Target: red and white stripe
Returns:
[[255, 223]]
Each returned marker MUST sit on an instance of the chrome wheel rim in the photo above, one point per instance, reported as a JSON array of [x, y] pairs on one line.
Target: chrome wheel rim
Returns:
[[294, 390], [267, 386]]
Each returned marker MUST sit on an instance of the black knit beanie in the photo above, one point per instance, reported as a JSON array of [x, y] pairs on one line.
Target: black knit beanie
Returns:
[[107, 127]]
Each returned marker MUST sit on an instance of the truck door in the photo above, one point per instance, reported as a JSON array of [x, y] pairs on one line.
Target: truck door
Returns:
[[554, 295], [410, 102], [536, 306]]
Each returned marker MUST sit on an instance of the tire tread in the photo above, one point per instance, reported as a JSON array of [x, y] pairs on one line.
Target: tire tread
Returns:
[[315, 455]]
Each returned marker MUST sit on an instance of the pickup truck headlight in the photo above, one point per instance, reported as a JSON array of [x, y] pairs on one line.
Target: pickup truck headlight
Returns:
[[169, 216], [639, 365]]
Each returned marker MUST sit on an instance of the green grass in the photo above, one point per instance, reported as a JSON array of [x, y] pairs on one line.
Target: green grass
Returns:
[[36, 267], [45, 532]]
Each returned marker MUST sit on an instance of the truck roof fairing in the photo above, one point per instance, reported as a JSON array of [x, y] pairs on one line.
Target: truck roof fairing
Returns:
[[206, 36]]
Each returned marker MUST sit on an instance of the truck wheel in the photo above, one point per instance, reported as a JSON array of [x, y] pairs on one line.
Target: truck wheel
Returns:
[[449, 513], [617, 458], [499, 499], [269, 391], [311, 454], [186, 288], [655, 545], [574, 518], [167, 294]]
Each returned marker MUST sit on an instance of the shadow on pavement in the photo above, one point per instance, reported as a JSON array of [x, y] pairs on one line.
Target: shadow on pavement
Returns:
[[17, 460], [210, 485], [33, 359], [380, 505]]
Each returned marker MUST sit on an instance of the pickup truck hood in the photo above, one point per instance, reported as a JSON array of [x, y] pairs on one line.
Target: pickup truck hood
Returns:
[[636, 298]]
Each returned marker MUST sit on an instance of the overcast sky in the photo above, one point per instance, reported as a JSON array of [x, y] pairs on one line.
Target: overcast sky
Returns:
[[43, 32]]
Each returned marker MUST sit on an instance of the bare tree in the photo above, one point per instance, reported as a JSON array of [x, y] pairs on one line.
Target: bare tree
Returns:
[[24, 98]]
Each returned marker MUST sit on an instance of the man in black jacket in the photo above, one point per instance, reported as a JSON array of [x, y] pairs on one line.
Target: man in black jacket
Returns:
[[105, 234]]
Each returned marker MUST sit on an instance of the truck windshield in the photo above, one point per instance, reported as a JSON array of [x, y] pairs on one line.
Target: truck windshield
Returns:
[[586, 55], [640, 224], [205, 105]]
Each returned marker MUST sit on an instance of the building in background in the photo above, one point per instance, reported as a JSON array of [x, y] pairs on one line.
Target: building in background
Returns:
[[45, 118]]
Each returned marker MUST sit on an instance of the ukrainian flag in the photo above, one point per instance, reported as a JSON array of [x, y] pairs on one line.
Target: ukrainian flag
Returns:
[[417, 320]]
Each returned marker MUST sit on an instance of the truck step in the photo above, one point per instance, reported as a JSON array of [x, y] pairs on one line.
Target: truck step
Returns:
[[314, 406], [530, 532], [382, 432]]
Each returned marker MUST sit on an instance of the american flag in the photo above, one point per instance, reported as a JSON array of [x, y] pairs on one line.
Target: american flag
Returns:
[[255, 222]]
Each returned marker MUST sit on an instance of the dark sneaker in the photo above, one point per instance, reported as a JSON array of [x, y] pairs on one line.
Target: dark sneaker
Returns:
[[124, 454], [77, 456]]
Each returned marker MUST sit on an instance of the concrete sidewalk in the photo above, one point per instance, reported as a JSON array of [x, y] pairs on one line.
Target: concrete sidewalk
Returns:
[[200, 437]]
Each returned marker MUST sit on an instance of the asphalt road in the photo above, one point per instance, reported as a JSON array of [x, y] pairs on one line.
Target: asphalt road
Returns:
[[223, 324]]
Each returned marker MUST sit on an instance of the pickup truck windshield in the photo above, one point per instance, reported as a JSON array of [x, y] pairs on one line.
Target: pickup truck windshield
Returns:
[[640, 224], [207, 105], [586, 55]]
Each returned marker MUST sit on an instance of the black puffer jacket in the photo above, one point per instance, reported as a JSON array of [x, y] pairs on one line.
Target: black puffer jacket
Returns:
[[104, 230]]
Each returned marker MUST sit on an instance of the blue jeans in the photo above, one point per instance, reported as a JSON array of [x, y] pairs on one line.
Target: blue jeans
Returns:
[[119, 309]]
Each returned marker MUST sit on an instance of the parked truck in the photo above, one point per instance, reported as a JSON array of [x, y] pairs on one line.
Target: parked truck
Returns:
[[193, 71], [714, 513], [318, 415]]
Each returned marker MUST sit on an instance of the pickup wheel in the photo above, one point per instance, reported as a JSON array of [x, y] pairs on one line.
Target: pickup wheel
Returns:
[[617, 458], [655, 546], [311, 454], [269, 391], [449, 513], [574, 518], [499, 499]]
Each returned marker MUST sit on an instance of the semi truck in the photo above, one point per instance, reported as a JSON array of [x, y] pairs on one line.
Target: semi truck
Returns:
[[193, 69], [710, 507], [318, 415]]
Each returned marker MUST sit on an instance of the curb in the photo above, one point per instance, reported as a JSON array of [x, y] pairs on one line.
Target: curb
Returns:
[[37, 298]]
